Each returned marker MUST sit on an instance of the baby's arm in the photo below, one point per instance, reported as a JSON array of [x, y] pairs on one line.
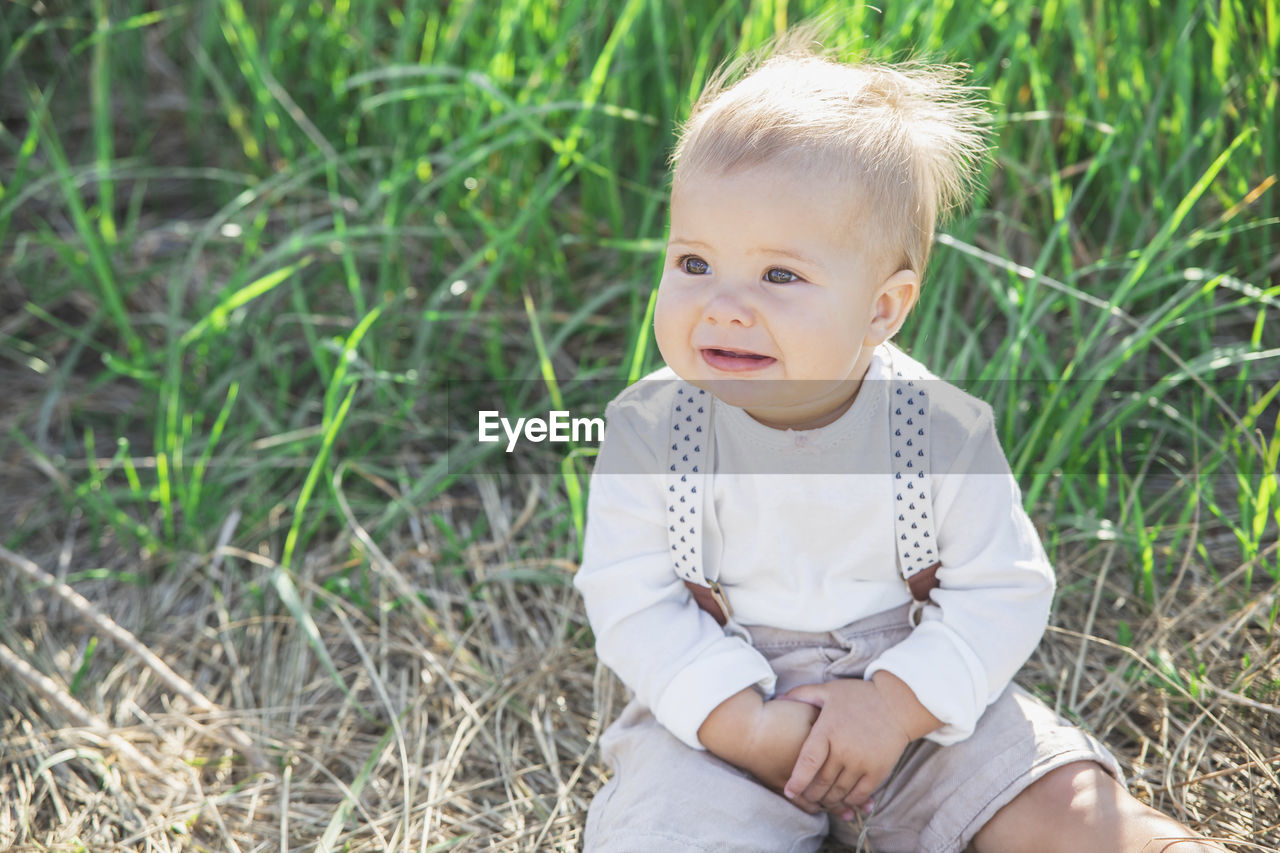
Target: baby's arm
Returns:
[[762, 738], [988, 614], [648, 629]]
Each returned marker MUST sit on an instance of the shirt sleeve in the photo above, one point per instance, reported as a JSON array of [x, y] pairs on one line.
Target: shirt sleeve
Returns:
[[996, 586], [679, 662]]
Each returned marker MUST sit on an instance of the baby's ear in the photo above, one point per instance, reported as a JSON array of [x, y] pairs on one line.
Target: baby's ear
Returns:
[[894, 300]]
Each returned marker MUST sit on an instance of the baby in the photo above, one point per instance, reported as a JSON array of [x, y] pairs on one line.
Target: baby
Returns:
[[806, 555]]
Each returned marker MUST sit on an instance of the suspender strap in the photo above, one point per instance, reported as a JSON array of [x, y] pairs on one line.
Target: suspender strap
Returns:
[[909, 453], [689, 442]]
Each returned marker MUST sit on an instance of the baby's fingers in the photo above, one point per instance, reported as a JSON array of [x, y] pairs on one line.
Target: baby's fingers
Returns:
[[835, 798], [860, 794], [813, 754]]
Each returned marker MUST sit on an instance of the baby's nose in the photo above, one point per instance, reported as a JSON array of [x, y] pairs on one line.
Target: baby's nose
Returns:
[[727, 308]]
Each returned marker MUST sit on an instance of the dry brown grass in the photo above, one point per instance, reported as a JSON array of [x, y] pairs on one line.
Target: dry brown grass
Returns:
[[470, 714]]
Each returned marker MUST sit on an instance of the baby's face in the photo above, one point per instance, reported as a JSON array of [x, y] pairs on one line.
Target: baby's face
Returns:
[[767, 278]]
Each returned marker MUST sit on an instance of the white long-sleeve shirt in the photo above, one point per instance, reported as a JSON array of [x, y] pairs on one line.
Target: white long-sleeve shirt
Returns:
[[800, 531]]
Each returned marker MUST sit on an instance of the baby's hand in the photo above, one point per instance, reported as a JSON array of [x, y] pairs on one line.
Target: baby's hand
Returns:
[[851, 749]]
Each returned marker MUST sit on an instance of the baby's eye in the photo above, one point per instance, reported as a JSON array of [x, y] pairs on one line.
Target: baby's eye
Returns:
[[780, 276], [693, 265]]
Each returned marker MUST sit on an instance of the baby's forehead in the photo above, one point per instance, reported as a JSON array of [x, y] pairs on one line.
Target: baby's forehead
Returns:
[[842, 194], [835, 211]]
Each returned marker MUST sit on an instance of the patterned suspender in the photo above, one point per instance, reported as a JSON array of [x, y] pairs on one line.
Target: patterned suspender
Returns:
[[688, 475], [912, 525]]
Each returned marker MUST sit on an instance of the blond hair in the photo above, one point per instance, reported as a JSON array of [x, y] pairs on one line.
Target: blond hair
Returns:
[[909, 138]]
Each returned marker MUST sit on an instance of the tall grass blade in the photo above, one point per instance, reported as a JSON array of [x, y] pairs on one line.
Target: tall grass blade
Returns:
[[217, 318], [596, 79], [103, 275], [545, 367], [351, 795], [100, 100]]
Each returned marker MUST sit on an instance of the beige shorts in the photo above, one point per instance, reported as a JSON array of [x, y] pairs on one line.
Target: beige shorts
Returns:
[[664, 796]]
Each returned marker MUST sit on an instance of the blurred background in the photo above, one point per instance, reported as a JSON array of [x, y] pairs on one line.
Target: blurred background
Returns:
[[260, 261]]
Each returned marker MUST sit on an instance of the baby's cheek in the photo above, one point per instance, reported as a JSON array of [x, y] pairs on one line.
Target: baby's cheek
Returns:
[[670, 320]]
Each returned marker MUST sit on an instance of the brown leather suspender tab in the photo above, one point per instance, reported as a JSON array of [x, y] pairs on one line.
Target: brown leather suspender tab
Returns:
[[924, 582], [712, 600]]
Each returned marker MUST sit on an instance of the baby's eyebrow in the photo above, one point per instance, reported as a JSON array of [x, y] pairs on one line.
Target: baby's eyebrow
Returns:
[[769, 250], [786, 253]]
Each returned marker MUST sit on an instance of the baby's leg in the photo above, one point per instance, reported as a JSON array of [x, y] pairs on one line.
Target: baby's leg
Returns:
[[1081, 807], [1024, 781], [665, 796]]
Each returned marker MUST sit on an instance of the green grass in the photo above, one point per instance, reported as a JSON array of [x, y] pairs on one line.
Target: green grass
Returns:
[[278, 232]]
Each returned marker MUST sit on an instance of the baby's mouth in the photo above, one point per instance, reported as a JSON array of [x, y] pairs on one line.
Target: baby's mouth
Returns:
[[735, 360]]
